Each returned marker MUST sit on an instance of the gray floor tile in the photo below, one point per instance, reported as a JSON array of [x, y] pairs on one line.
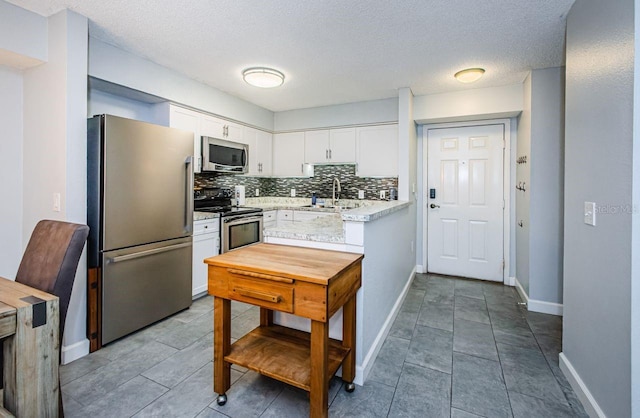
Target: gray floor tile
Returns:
[[436, 315], [371, 400], [183, 363], [238, 308], [183, 335], [388, 365], [413, 302], [474, 338], [478, 387], [440, 290], [521, 338], [92, 387], [527, 371], [469, 288], [419, 282], [421, 392], [459, 413], [432, 348], [250, 396], [197, 309], [210, 413], [71, 407], [527, 406], [81, 367], [293, 402], [245, 322], [187, 399], [125, 400], [471, 309], [544, 324], [403, 325]]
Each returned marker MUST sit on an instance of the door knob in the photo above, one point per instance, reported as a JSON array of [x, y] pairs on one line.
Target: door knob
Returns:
[[433, 206]]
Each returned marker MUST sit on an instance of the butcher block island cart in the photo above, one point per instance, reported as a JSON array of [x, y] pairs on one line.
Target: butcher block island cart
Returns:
[[307, 282]]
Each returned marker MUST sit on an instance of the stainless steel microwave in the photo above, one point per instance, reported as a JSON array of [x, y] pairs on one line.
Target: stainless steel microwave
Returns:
[[224, 156]]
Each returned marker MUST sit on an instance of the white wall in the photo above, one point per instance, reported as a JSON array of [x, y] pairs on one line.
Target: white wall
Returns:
[[466, 105], [111, 104], [360, 113], [599, 150], [114, 65], [55, 142], [523, 175], [23, 37], [11, 244]]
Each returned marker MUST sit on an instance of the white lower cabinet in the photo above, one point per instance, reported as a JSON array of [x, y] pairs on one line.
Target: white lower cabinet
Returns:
[[269, 219], [206, 243], [285, 215]]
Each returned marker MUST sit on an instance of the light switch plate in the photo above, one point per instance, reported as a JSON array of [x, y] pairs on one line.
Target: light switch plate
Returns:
[[360, 194], [383, 194], [590, 213]]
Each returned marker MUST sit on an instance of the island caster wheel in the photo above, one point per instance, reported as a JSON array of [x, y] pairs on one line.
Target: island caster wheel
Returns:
[[221, 399], [350, 387]]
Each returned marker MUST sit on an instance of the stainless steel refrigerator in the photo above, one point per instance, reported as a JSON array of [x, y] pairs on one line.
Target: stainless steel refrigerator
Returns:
[[140, 211]]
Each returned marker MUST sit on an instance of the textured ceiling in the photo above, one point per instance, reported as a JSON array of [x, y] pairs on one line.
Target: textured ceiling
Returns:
[[332, 51]]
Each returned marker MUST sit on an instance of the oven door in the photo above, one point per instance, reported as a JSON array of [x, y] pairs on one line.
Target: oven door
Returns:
[[239, 231]]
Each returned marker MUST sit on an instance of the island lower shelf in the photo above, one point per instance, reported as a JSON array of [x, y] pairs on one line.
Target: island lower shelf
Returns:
[[283, 354]]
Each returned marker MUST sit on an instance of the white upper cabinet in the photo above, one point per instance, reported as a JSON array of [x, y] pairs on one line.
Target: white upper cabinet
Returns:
[[288, 154], [330, 146], [260, 147], [188, 120], [220, 128], [377, 151]]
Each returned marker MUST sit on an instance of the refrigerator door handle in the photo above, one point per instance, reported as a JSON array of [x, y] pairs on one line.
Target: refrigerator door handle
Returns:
[[188, 214], [147, 253]]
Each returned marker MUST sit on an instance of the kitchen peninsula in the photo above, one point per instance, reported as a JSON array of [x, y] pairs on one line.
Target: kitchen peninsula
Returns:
[[381, 230]]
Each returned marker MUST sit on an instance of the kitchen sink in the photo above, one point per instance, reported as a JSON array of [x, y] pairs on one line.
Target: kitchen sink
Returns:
[[337, 207]]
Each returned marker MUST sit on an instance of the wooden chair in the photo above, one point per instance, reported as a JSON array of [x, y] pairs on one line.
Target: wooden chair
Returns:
[[49, 263]]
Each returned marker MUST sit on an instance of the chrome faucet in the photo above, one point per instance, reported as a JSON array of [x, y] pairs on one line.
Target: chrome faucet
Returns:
[[336, 182]]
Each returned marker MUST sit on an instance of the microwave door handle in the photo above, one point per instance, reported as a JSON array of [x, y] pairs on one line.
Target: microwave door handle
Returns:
[[188, 213]]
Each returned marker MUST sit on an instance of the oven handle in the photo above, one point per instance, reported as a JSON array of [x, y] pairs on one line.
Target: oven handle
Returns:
[[241, 219]]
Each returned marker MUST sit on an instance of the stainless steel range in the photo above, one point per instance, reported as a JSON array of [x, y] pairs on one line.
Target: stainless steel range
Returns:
[[239, 226]]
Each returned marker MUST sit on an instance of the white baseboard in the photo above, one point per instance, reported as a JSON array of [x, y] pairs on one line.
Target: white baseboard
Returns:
[[420, 269], [589, 403], [75, 351], [363, 371], [510, 281], [540, 306]]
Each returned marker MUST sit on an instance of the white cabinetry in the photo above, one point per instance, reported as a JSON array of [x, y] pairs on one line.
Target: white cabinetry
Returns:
[[206, 243], [188, 120], [285, 215], [220, 128], [288, 154], [330, 146], [377, 151], [270, 219], [260, 151]]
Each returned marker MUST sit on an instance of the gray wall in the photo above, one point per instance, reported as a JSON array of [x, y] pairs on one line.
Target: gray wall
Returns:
[[598, 168], [546, 185]]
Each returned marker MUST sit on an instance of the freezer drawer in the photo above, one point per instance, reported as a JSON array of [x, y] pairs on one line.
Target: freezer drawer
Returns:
[[143, 284]]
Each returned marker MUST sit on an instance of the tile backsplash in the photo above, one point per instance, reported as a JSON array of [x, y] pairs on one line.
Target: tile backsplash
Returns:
[[321, 183]]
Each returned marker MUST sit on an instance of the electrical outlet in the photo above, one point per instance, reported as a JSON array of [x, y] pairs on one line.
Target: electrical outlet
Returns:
[[56, 202], [293, 192], [257, 192], [383, 194], [360, 194]]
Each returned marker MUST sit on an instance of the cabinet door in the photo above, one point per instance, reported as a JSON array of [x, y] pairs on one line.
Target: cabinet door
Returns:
[[288, 154], [232, 132], [377, 151], [264, 151], [188, 120], [342, 145], [249, 137], [210, 126], [316, 146]]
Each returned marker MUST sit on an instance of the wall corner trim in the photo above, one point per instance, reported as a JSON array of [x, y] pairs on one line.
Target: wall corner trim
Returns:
[[75, 351], [588, 401]]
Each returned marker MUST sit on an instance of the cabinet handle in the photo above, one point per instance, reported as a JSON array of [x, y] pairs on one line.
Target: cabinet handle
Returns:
[[326, 154], [329, 154], [256, 294], [260, 276]]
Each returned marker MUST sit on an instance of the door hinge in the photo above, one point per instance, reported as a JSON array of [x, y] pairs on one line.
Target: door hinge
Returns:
[[503, 204], [503, 264]]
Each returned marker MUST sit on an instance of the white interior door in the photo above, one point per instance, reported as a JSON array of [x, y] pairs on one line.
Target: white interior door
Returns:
[[465, 203]]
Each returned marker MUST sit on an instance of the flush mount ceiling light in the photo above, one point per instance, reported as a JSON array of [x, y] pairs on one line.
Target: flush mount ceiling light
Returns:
[[263, 77], [469, 75]]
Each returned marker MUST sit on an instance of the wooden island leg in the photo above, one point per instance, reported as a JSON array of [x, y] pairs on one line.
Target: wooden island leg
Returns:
[[221, 347], [266, 317], [319, 394], [349, 340]]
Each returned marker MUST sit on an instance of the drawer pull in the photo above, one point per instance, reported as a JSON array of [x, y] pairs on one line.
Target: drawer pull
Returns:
[[260, 276], [256, 294]]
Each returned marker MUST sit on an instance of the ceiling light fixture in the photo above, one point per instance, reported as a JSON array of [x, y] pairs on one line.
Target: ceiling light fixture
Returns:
[[469, 75], [263, 77]]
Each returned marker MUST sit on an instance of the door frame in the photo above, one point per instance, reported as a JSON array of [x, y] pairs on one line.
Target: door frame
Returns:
[[506, 190]]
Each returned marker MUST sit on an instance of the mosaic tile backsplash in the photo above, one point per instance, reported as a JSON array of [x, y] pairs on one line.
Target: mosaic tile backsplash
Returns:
[[321, 183]]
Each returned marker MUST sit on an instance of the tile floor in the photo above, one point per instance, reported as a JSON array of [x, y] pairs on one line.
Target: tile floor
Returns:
[[458, 348]]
